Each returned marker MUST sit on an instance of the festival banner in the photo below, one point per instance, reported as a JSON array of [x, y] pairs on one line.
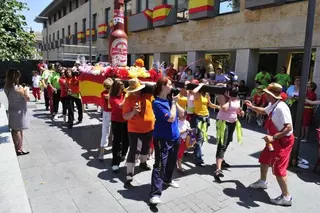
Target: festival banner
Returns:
[[161, 12], [196, 6]]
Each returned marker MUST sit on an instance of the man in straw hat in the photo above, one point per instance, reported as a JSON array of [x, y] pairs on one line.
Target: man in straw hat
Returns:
[[279, 143], [137, 110]]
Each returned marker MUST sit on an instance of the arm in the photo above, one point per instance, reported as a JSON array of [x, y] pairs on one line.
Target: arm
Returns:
[[287, 128], [23, 92], [259, 110], [197, 89], [313, 102], [173, 112], [211, 105], [128, 114]]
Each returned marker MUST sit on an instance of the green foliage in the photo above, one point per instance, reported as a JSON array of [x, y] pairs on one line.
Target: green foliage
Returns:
[[15, 43]]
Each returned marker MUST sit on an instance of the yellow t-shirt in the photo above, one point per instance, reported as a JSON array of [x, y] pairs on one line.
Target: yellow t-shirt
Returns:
[[201, 106], [182, 101]]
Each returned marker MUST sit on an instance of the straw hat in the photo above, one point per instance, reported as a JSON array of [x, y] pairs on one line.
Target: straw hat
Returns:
[[134, 85], [274, 90]]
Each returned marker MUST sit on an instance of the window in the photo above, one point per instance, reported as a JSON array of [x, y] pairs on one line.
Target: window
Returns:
[[182, 10], [77, 3], [58, 35], [84, 26], [64, 11], [49, 21], [70, 6], [45, 24], [46, 39], [55, 17], [142, 5], [53, 37], [227, 6], [63, 35], [49, 38], [128, 8], [75, 29], [107, 15], [59, 14], [86, 1], [94, 21], [69, 30]]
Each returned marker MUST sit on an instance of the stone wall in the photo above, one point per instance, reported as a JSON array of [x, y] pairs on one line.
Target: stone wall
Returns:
[[270, 28]]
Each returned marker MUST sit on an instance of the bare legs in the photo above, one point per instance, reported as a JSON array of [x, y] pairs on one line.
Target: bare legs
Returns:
[[218, 163], [263, 171]]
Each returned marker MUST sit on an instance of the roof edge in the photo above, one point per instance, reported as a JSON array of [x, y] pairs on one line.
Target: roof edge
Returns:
[[48, 9]]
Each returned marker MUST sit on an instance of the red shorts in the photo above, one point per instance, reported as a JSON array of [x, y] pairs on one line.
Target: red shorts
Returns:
[[307, 117], [280, 157]]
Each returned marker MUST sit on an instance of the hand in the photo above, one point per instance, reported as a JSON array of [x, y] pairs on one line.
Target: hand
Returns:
[[106, 96], [248, 103], [268, 139], [175, 98], [55, 90], [227, 94], [241, 113], [308, 101], [136, 110]]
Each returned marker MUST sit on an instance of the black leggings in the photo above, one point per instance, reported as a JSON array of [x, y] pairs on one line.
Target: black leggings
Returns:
[[228, 136], [145, 139], [78, 102], [64, 101], [120, 143]]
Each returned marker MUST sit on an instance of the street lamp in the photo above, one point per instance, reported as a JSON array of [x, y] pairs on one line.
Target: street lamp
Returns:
[[304, 79], [42, 19]]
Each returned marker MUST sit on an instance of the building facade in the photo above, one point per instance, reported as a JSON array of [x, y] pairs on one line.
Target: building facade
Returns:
[[245, 31]]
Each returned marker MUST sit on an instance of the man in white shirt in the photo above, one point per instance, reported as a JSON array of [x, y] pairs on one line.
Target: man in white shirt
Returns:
[[279, 143]]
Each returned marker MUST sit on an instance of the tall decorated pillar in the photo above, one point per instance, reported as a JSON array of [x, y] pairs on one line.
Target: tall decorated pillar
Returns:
[[118, 39]]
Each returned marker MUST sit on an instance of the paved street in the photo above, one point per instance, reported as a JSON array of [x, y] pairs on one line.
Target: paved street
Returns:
[[62, 174]]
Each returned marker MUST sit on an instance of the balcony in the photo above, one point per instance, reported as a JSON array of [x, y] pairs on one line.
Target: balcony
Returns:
[[258, 4], [52, 45], [81, 37], [164, 15], [93, 32], [56, 44], [140, 21], [61, 42], [103, 31], [74, 39], [203, 9]]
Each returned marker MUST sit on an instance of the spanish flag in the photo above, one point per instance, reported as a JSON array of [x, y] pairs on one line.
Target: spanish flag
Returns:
[[161, 12], [91, 87], [88, 32], [196, 6], [80, 36], [102, 29], [70, 36], [148, 14]]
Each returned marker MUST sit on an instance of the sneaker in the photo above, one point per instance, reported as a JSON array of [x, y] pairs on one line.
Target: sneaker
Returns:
[[218, 173], [155, 200], [259, 185], [144, 166], [281, 201], [115, 168], [129, 179], [55, 117], [172, 184], [200, 164]]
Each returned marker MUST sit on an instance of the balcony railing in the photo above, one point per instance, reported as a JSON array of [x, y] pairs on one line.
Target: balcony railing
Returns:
[[141, 21], [258, 4]]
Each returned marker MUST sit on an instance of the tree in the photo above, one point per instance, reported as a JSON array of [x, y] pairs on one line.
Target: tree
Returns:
[[15, 43]]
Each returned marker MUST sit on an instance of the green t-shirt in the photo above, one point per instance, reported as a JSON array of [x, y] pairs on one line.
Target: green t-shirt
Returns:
[[264, 79], [46, 74], [54, 80], [283, 79]]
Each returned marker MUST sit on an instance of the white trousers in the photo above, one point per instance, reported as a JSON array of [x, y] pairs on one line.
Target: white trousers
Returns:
[[106, 124]]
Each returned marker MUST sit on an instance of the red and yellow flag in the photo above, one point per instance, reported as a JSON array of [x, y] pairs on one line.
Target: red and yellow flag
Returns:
[[91, 87], [196, 6], [80, 35], [88, 32], [102, 29], [148, 14], [161, 12]]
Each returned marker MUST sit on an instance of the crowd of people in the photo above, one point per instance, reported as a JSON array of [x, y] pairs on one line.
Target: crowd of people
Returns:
[[140, 124]]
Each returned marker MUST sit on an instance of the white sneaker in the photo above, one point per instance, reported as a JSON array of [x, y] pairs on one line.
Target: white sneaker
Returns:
[[55, 117], [259, 185], [173, 184], [155, 200]]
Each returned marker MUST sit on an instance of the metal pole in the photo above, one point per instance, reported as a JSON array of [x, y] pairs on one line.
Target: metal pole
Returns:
[[90, 27], [304, 79]]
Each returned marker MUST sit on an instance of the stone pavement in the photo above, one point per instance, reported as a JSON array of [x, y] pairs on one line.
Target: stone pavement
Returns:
[[61, 174]]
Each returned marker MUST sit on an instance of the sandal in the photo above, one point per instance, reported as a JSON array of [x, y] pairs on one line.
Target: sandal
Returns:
[[22, 153]]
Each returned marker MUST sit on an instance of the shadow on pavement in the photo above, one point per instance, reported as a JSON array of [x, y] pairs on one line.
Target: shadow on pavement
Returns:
[[247, 198]]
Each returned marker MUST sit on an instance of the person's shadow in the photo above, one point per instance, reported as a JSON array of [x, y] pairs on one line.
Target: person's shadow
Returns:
[[247, 197]]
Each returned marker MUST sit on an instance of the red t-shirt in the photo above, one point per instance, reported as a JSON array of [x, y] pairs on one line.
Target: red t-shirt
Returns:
[[116, 110], [40, 66], [260, 100], [73, 84], [63, 87], [106, 105], [312, 96]]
